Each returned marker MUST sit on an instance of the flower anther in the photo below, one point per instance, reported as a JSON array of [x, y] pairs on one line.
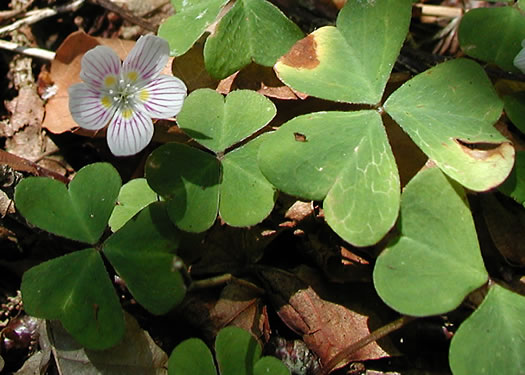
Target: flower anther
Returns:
[[126, 96]]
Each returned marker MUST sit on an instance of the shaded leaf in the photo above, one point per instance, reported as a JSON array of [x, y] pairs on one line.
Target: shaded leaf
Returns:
[[80, 212], [515, 109], [514, 185], [493, 35], [270, 365], [345, 159], [191, 357], [350, 63], [436, 262], [253, 30], [188, 179], [237, 351], [142, 252], [75, 289], [246, 195], [491, 340], [449, 112], [137, 353]]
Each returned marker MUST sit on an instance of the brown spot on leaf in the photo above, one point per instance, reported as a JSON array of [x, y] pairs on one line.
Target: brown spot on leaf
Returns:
[[483, 150], [303, 54], [299, 137]]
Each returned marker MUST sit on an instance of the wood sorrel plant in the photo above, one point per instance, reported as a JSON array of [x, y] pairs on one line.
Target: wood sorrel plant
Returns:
[[341, 158]]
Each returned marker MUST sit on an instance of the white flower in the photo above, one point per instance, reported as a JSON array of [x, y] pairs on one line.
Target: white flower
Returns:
[[519, 60], [126, 97]]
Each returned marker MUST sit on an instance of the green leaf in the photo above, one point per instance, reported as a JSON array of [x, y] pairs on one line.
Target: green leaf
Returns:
[[491, 340], [253, 30], [350, 63], [493, 35], [343, 158], [270, 365], [133, 197], [136, 353], [225, 121], [142, 253], [186, 26], [246, 195], [449, 112], [514, 186], [188, 179], [79, 213], [515, 109], [436, 262], [237, 351], [191, 357], [75, 289]]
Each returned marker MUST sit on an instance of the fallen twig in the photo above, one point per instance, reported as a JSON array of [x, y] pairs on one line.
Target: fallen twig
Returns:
[[40, 14], [29, 51]]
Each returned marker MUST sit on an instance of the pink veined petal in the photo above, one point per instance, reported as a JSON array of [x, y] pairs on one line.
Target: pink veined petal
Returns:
[[129, 133], [100, 68], [163, 96], [146, 60], [89, 107]]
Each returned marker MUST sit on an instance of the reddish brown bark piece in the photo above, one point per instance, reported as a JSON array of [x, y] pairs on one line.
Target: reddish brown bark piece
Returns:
[[326, 327]]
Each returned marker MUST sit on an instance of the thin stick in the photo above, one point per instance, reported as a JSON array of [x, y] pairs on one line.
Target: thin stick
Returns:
[[342, 357], [29, 51], [40, 14], [439, 11]]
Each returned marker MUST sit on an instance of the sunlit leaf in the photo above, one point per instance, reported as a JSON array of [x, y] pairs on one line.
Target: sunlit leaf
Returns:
[[133, 197], [225, 121], [189, 22], [350, 63], [343, 158], [449, 112]]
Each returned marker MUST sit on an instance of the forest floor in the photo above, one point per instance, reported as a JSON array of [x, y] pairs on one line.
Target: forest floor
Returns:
[[30, 147]]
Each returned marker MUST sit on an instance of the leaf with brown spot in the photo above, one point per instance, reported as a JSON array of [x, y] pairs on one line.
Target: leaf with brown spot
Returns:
[[449, 112], [353, 61]]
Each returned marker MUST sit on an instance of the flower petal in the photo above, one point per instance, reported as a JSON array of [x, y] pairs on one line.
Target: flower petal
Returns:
[[130, 131], [100, 68], [90, 108], [519, 60], [163, 96], [147, 58]]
